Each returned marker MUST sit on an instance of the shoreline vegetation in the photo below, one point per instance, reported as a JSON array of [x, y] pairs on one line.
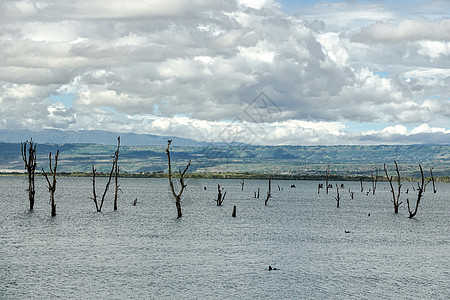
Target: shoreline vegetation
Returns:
[[235, 175]]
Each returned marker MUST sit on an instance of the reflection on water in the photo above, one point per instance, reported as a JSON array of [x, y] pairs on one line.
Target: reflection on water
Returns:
[[144, 252]]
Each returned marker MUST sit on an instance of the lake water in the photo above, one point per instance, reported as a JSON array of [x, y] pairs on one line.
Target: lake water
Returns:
[[144, 252]]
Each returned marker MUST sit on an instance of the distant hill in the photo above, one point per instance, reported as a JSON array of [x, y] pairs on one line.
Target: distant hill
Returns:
[[288, 160], [91, 137]]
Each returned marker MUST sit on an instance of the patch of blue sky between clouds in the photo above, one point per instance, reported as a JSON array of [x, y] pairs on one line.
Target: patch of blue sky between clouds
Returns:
[[382, 74], [66, 99]]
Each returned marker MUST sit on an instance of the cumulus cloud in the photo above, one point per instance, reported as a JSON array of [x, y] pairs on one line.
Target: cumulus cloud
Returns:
[[196, 68]]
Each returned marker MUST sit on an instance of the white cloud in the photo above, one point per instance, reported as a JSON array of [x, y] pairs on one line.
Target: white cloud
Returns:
[[189, 67], [434, 49]]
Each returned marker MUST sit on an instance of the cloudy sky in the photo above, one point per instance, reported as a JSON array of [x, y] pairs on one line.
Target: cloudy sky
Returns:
[[260, 71]]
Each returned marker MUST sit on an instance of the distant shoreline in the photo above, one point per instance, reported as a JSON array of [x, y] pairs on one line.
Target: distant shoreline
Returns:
[[231, 175]]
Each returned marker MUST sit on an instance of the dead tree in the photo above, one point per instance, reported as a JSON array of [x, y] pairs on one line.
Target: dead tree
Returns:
[[52, 185], [351, 193], [220, 196], [177, 196], [30, 166], [432, 180], [395, 198], [258, 194], [268, 193], [338, 197], [319, 186], [374, 180], [326, 177], [242, 185], [362, 188], [94, 194], [234, 212], [420, 190], [116, 172]]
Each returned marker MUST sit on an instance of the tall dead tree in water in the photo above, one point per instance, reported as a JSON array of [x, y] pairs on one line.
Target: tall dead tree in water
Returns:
[[242, 185], [374, 180], [29, 158], [116, 172], [269, 194], [395, 198], [177, 196], [420, 190], [52, 185]]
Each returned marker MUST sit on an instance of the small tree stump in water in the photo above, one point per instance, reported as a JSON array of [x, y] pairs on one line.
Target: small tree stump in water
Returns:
[[234, 212]]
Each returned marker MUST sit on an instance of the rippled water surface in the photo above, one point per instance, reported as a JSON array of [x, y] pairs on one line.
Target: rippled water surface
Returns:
[[144, 252]]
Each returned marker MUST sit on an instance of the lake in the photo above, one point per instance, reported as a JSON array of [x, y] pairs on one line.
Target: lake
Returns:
[[144, 252]]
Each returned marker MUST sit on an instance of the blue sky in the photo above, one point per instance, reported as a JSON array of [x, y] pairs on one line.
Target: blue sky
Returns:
[[337, 72]]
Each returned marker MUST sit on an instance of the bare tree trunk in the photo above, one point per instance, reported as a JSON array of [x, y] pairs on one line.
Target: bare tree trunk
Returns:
[[52, 185], [234, 212], [374, 181], [220, 197], [94, 194], [420, 190], [242, 185], [362, 188], [116, 173], [432, 179], [269, 194], [327, 174], [351, 193], [30, 166], [177, 196], [395, 198], [338, 197], [178, 205]]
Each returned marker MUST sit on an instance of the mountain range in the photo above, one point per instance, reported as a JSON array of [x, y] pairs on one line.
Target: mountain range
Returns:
[[51, 136]]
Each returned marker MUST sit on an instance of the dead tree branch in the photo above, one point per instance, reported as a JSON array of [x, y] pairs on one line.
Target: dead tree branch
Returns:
[[52, 185], [395, 198], [177, 196], [30, 166], [420, 190], [269, 194]]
